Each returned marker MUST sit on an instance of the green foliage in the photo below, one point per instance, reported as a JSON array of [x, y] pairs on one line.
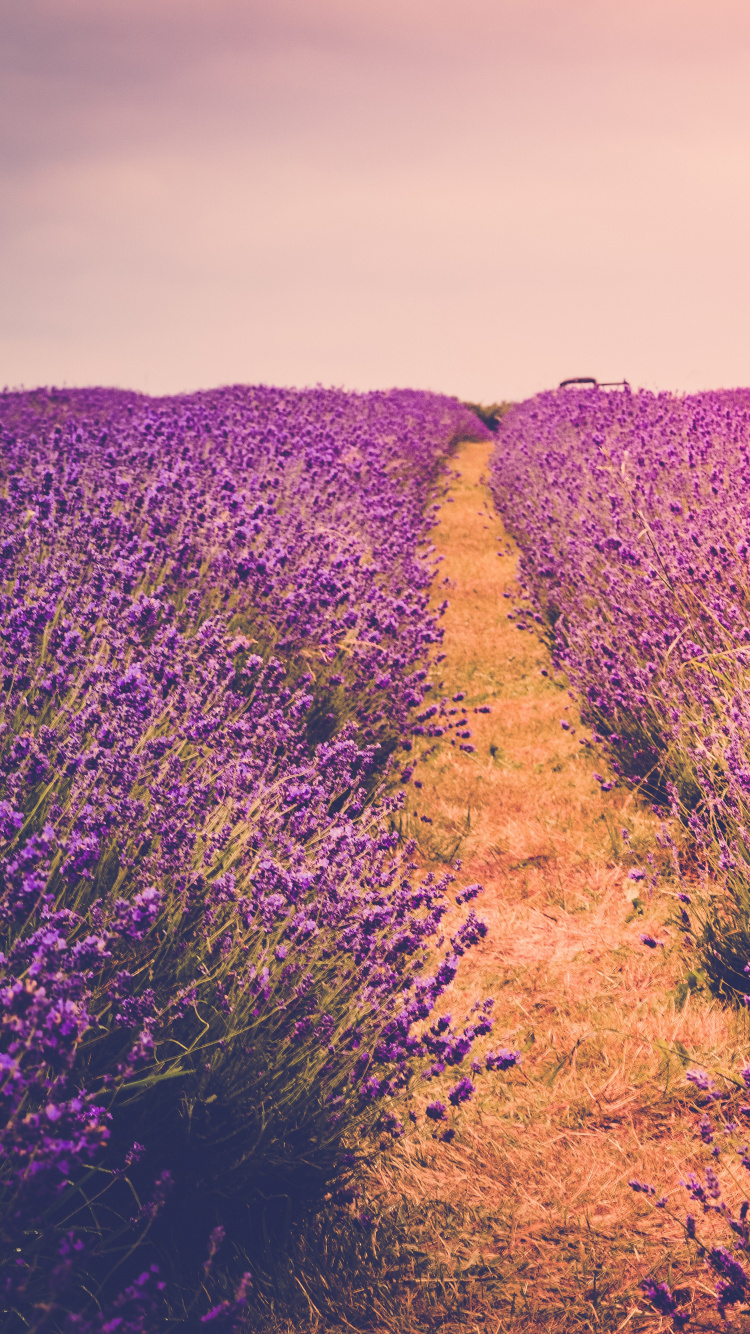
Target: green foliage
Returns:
[[489, 413]]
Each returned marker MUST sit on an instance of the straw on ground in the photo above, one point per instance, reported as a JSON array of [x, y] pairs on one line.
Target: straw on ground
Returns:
[[528, 1216]]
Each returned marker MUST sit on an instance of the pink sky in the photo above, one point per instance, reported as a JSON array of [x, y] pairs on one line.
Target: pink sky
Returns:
[[475, 196]]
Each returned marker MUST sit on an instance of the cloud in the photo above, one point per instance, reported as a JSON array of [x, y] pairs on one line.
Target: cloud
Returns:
[[478, 195]]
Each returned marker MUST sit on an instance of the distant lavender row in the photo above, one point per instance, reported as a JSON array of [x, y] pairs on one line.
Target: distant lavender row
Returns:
[[214, 626], [632, 512]]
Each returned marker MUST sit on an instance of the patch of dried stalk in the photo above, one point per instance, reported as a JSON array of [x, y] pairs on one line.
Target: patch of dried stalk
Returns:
[[526, 1222]]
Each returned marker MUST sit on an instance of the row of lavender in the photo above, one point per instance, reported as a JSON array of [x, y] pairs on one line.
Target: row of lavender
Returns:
[[632, 513], [214, 630]]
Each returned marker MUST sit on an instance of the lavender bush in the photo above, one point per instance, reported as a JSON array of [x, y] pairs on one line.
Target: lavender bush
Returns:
[[215, 629], [632, 512], [717, 1227]]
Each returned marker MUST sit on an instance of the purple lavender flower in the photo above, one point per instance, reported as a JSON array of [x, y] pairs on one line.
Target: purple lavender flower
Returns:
[[706, 1129], [663, 1300], [461, 1092], [641, 1186], [700, 1079], [189, 883], [502, 1059], [733, 1281], [643, 500], [470, 892], [229, 1309]]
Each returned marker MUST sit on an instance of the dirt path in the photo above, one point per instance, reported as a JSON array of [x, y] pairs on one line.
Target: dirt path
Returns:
[[531, 1201]]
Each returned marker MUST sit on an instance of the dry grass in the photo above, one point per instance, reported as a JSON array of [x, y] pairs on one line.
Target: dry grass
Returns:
[[528, 1214], [526, 1222]]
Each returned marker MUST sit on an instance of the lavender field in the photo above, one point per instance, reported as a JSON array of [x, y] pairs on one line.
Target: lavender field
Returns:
[[215, 641], [226, 977], [632, 514]]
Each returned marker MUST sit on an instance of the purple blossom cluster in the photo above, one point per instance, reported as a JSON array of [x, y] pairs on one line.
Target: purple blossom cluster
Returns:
[[439, 719], [216, 965], [722, 1126], [632, 512]]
